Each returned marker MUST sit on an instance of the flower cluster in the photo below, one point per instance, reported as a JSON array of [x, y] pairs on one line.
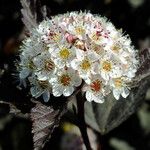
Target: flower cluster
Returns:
[[76, 48]]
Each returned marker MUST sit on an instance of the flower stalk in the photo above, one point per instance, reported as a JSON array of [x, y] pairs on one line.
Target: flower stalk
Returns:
[[81, 120]]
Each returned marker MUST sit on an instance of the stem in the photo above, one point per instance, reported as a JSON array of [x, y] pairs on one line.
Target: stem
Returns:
[[81, 120]]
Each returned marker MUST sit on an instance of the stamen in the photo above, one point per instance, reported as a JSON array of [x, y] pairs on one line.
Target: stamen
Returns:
[[49, 65], [96, 85], [65, 79], [85, 65], [64, 53], [107, 66], [118, 82], [79, 30]]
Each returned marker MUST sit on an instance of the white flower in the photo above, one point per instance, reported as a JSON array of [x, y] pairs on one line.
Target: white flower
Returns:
[[96, 89], [78, 28], [109, 67], [63, 55], [40, 88], [65, 82], [119, 88], [44, 66], [84, 63], [98, 36]]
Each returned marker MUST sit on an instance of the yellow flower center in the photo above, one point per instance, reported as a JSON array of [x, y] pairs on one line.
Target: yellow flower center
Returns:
[[118, 82], [116, 48], [79, 30], [107, 66], [65, 79], [64, 53], [96, 85], [49, 65], [85, 65]]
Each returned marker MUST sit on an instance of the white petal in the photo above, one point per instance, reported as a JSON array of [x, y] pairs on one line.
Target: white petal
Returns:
[[68, 91], [79, 54], [98, 99], [93, 57], [87, 80], [84, 75], [74, 64], [24, 73], [53, 79], [36, 91], [38, 61], [95, 68], [77, 81], [116, 94], [123, 60], [50, 50], [105, 75], [125, 92], [116, 72], [88, 96], [46, 96], [131, 74], [59, 63], [57, 91], [41, 77]]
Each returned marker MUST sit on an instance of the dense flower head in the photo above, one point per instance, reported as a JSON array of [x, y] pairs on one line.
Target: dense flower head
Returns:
[[74, 48]]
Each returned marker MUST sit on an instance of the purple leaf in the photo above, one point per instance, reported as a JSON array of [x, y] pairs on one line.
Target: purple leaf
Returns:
[[32, 13], [44, 120]]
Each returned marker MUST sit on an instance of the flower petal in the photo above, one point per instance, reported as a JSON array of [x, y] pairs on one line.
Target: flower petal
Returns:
[[68, 91], [105, 75], [88, 96], [57, 90], [125, 92], [74, 64], [116, 94], [79, 54], [36, 91], [77, 81], [98, 98], [24, 73], [46, 96]]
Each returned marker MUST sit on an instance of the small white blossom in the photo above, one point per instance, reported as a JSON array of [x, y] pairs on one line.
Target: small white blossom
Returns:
[[96, 89], [44, 66], [84, 63], [39, 88], [119, 88], [109, 67], [63, 55], [65, 82]]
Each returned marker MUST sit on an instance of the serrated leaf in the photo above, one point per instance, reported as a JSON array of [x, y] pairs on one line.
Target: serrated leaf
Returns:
[[12, 108], [29, 18], [144, 62], [32, 13], [44, 120]]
